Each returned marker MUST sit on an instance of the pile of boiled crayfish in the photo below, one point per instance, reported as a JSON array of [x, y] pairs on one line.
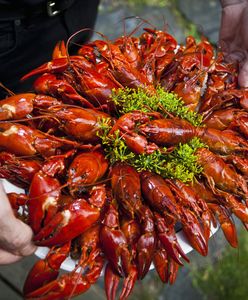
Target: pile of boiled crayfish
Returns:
[[85, 199]]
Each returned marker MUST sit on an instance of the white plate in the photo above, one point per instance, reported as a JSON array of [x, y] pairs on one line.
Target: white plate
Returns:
[[69, 264]]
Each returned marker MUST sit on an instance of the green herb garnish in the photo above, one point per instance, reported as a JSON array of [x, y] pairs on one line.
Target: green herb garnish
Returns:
[[164, 102]]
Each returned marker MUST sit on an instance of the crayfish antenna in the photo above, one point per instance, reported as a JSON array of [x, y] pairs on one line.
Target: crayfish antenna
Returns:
[[6, 89]]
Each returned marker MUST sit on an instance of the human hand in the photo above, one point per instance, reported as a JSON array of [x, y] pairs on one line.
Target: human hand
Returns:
[[233, 37], [15, 236]]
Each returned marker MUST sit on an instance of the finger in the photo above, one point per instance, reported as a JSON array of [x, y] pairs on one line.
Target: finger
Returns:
[[236, 56], [243, 75], [8, 258]]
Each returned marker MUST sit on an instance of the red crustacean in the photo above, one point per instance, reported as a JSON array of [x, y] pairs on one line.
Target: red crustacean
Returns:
[[94, 84], [114, 242], [191, 90], [195, 55], [58, 64], [224, 99], [17, 170], [167, 236], [189, 69], [223, 118], [219, 210], [45, 191], [47, 269], [161, 198], [240, 163], [88, 244], [221, 175], [223, 141], [240, 125], [111, 280], [156, 55], [70, 284], [19, 106], [24, 140], [18, 201], [131, 230], [44, 282], [193, 65], [49, 84], [189, 199], [230, 118], [122, 70], [126, 124], [168, 132], [226, 223], [87, 52], [225, 182], [126, 188], [81, 79], [165, 266], [128, 46], [79, 123]]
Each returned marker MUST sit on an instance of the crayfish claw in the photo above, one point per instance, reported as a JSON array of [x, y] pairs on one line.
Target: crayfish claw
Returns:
[[112, 279], [68, 224], [129, 282], [46, 270], [160, 260], [193, 231], [172, 272], [166, 267], [114, 242], [227, 225], [111, 282], [167, 236], [172, 247], [145, 250], [69, 284]]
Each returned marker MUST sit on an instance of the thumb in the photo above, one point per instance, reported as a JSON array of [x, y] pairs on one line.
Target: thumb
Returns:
[[18, 239], [243, 75], [15, 236], [8, 258]]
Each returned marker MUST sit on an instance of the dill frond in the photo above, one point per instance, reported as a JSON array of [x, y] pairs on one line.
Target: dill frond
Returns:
[[127, 100]]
